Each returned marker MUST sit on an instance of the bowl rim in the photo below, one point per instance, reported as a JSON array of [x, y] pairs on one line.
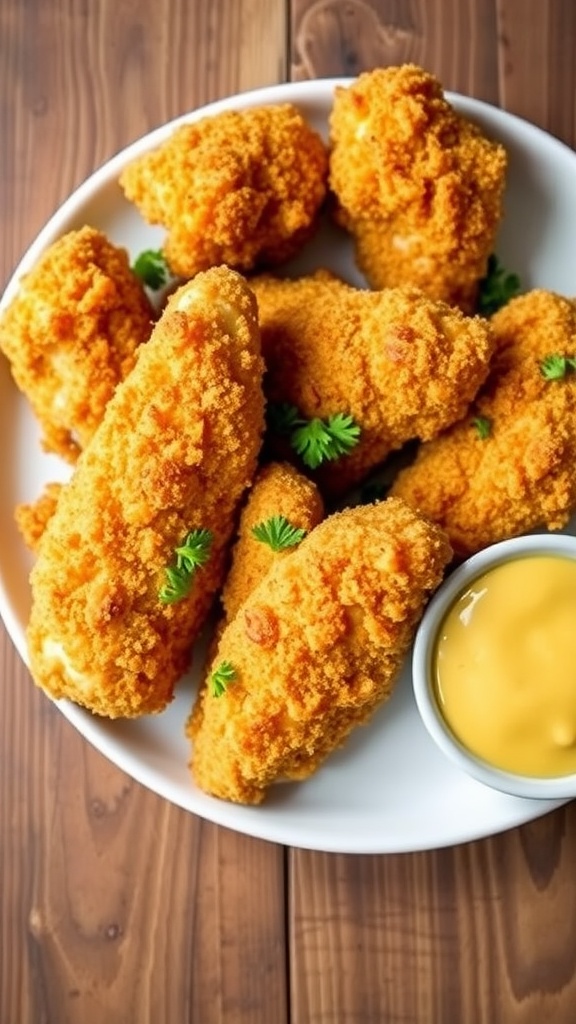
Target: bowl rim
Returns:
[[515, 784]]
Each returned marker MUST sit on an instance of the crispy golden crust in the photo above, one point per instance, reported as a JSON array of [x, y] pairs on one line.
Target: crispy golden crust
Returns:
[[241, 188], [32, 519], [522, 475], [71, 334], [176, 449], [418, 185], [341, 612], [401, 364], [278, 490]]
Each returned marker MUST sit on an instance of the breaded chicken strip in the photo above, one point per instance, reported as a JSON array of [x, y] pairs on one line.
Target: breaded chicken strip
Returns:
[[418, 186], [402, 365], [71, 334], [176, 449], [279, 490], [341, 612], [240, 187], [483, 489]]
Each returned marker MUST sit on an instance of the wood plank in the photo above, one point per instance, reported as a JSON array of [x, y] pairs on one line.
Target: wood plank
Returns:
[[537, 68], [330, 37], [114, 905], [479, 933], [464, 934]]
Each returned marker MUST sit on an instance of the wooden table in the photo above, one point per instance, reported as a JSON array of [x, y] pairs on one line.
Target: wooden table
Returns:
[[115, 906]]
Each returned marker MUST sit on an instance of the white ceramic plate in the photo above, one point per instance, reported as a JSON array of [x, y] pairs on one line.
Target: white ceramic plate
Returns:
[[389, 789]]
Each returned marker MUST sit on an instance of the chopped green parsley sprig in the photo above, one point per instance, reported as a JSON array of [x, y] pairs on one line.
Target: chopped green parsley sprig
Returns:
[[556, 366], [483, 426], [152, 269], [497, 288], [278, 533], [193, 553], [221, 677], [315, 440]]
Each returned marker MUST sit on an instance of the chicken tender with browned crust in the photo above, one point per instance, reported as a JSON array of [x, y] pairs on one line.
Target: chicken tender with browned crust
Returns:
[[241, 187], [509, 466], [120, 589], [400, 364], [341, 613], [282, 506], [419, 186], [71, 334]]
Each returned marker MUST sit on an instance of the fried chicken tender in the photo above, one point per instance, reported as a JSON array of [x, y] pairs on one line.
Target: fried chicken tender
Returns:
[[521, 476], [401, 364], [419, 186], [278, 490], [71, 335], [174, 453], [341, 612], [241, 187]]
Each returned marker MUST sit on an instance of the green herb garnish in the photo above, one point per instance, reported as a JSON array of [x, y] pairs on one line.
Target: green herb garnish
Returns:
[[319, 440], [152, 269], [556, 367], [221, 677], [190, 556], [278, 533], [314, 440], [497, 288], [483, 426]]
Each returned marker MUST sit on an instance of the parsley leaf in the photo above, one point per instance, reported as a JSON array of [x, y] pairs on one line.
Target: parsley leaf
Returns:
[[278, 533], [556, 366], [221, 677], [315, 440], [319, 440], [190, 555], [497, 288], [151, 268], [483, 426]]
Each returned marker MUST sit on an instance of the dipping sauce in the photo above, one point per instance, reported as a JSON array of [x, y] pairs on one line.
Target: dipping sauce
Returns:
[[505, 666]]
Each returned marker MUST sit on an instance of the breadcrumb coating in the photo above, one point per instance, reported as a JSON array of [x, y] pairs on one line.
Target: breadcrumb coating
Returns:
[[278, 490], [241, 187], [401, 364], [419, 186], [71, 335], [32, 519], [522, 475], [175, 451], [341, 612]]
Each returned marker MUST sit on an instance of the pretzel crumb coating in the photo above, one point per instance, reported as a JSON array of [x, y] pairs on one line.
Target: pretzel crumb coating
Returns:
[[419, 186], [342, 610], [401, 364], [174, 453], [71, 335], [521, 474], [242, 188]]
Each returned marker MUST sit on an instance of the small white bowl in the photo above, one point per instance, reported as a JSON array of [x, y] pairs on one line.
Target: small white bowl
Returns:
[[564, 786]]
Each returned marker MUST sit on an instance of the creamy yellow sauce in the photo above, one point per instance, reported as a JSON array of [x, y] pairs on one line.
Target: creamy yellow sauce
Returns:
[[505, 666]]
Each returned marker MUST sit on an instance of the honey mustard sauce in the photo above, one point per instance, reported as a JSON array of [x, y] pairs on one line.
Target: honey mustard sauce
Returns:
[[505, 666]]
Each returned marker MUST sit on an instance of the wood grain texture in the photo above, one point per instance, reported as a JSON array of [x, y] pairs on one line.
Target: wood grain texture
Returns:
[[479, 933], [114, 905]]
